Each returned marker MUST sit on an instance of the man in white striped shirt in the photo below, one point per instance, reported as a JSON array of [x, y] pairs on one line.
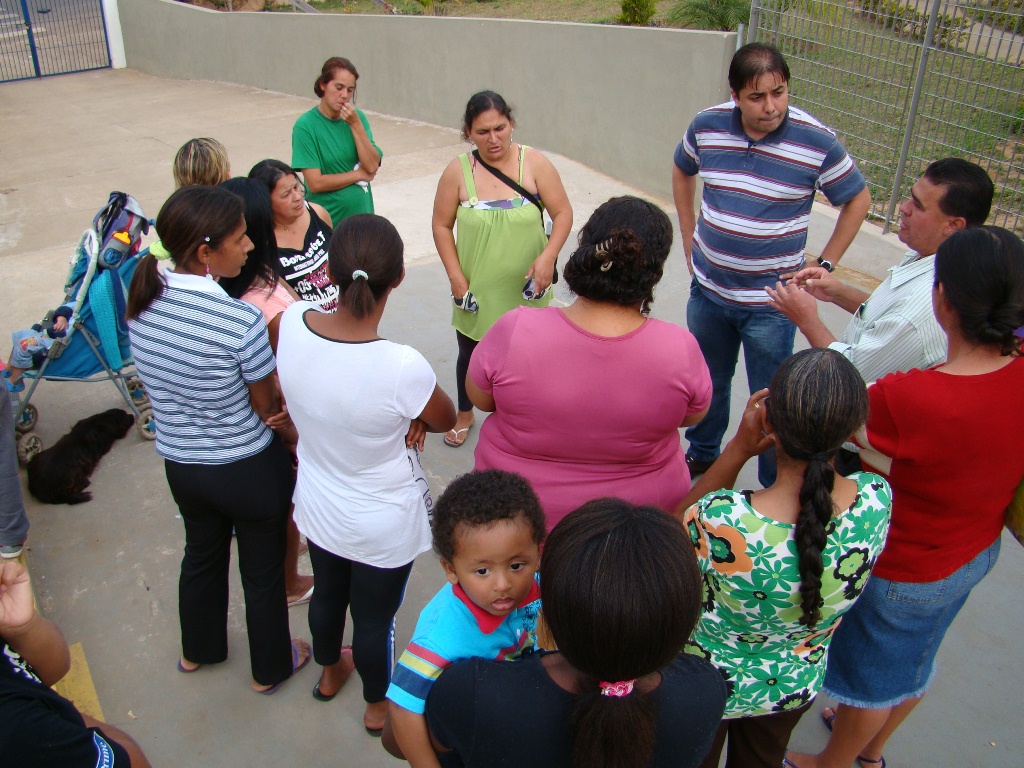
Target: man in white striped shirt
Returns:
[[894, 329]]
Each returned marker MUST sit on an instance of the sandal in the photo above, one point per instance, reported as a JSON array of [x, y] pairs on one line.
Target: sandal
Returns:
[[345, 649], [296, 666], [455, 441]]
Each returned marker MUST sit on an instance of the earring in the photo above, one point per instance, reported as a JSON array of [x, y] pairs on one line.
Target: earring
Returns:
[[208, 275]]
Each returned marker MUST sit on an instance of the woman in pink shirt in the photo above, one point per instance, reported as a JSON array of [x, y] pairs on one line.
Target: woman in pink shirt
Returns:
[[588, 399]]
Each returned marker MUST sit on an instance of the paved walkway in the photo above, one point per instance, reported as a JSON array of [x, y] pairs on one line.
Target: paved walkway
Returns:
[[107, 571]]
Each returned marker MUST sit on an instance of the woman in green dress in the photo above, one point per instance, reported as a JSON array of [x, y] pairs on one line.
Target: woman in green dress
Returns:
[[332, 145], [503, 256]]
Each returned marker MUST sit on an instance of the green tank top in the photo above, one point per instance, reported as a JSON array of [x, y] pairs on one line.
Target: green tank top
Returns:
[[497, 242]]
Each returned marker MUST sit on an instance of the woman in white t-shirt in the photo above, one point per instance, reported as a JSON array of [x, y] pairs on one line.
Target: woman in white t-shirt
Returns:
[[360, 403]]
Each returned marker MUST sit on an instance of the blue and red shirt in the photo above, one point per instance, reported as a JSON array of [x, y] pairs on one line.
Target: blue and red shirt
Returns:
[[451, 628]]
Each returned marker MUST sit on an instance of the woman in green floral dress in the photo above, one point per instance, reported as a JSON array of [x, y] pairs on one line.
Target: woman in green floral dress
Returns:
[[781, 565]]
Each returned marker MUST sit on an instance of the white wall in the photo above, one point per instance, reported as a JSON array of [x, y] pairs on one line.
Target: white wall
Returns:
[[615, 98]]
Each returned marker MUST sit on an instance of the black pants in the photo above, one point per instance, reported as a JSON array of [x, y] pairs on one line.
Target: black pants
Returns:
[[755, 742], [374, 596], [253, 496], [466, 347]]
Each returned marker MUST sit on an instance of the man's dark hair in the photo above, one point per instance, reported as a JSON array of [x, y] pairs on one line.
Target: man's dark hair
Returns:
[[753, 60], [481, 499], [969, 189]]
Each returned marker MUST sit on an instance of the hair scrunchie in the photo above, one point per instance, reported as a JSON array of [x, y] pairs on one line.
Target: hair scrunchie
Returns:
[[158, 252], [818, 457], [359, 273], [618, 690]]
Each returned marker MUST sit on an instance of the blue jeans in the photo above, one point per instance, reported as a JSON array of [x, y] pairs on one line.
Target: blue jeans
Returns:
[[13, 523], [767, 339]]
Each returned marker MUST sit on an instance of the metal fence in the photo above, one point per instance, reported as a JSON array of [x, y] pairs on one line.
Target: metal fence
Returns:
[[51, 37], [906, 82]]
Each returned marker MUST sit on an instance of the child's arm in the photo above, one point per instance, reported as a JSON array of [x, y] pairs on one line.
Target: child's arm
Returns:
[[408, 732], [38, 641]]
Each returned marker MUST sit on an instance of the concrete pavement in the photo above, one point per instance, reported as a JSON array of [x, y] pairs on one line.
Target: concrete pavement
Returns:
[[106, 571]]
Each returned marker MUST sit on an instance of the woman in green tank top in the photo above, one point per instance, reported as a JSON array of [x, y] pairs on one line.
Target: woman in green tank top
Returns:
[[501, 242]]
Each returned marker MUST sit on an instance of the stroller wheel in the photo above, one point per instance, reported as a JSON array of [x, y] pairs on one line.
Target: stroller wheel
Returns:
[[145, 423], [27, 422], [28, 446]]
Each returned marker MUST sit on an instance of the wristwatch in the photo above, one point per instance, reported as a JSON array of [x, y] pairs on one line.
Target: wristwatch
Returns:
[[826, 264]]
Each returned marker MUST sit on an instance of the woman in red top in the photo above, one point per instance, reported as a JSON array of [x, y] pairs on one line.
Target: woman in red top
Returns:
[[948, 441]]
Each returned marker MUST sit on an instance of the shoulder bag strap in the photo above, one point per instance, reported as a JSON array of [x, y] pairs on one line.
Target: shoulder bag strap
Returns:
[[509, 182]]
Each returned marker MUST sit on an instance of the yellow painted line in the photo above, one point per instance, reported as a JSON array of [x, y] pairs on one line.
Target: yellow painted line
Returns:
[[77, 685]]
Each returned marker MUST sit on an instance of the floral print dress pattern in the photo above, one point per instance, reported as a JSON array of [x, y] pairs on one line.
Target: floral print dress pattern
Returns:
[[750, 627]]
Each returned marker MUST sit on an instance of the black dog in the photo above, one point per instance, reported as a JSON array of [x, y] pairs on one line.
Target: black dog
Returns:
[[60, 475]]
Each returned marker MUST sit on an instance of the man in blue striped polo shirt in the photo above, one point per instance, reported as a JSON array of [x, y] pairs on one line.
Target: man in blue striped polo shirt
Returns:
[[761, 161]]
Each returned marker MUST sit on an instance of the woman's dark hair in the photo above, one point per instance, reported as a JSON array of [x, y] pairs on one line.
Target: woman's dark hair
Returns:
[[621, 254], [369, 244], [328, 70], [480, 499], [818, 400], [269, 172], [753, 60], [190, 217], [482, 102], [981, 270], [621, 596], [258, 270]]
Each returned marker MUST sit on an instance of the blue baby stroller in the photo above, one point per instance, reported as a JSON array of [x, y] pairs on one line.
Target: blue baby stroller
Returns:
[[95, 347]]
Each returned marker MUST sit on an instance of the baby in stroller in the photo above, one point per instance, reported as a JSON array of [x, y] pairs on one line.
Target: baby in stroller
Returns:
[[28, 347]]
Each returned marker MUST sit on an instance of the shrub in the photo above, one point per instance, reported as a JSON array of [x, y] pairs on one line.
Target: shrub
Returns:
[[716, 15], [636, 12]]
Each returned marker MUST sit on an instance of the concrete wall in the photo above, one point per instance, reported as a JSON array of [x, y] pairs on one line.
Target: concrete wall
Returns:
[[615, 98]]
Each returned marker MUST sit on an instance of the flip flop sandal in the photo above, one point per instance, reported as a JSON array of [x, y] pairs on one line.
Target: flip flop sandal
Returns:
[[456, 443], [296, 666], [301, 600], [323, 696], [186, 670]]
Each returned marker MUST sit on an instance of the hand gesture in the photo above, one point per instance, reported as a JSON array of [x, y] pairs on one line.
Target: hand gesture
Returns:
[[542, 270], [794, 302], [751, 438], [417, 434], [16, 606], [349, 113], [817, 281]]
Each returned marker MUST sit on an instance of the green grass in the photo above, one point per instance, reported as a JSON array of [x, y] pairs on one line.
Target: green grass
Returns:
[[970, 106]]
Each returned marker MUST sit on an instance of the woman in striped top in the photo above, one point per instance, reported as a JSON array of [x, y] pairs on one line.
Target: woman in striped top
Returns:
[[206, 361]]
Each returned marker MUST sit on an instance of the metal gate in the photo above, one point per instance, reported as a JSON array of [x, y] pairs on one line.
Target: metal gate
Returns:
[[51, 37], [905, 82]]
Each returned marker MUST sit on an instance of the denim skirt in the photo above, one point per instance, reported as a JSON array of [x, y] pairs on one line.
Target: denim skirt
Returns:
[[883, 651]]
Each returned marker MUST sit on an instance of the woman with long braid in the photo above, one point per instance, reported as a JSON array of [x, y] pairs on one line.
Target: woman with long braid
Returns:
[[781, 565]]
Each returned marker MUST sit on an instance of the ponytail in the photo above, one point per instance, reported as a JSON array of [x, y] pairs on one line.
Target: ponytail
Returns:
[[145, 288], [818, 399], [611, 731], [611, 625], [190, 217], [365, 257], [816, 509]]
